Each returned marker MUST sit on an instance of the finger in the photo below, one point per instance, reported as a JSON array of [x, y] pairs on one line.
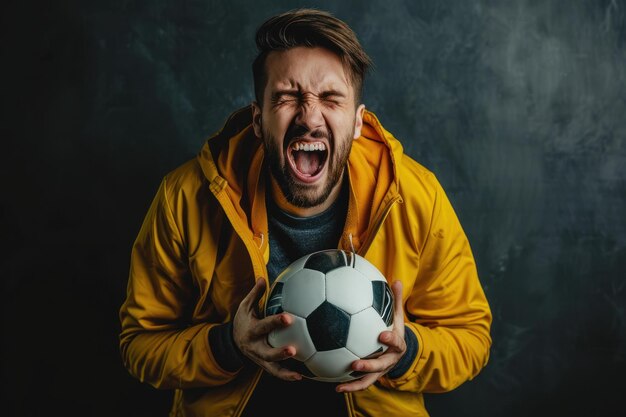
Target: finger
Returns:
[[267, 324], [287, 375], [359, 384], [280, 372], [254, 295], [398, 308], [394, 340], [276, 354], [379, 364]]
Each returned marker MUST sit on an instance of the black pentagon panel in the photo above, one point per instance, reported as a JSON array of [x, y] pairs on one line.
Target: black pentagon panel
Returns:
[[297, 366], [383, 300], [328, 327], [275, 300], [357, 374], [327, 260]]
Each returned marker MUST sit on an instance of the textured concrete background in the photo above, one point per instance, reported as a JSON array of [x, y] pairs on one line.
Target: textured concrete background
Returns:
[[518, 107]]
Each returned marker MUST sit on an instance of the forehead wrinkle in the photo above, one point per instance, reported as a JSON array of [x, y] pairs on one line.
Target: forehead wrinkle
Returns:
[[315, 88], [325, 73]]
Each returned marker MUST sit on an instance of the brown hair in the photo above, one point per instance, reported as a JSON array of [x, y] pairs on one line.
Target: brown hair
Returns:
[[309, 27]]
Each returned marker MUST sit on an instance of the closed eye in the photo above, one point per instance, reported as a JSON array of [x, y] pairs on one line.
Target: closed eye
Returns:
[[332, 97], [281, 97]]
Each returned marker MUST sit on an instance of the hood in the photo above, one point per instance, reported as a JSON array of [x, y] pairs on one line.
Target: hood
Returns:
[[232, 162]]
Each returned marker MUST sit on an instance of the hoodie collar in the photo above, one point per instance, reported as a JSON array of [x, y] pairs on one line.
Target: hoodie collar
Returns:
[[232, 162]]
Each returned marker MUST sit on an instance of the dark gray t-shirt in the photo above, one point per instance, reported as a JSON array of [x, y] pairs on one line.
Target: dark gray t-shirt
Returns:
[[292, 237]]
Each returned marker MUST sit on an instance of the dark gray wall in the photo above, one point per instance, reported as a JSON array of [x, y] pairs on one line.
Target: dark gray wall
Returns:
[[518, 106]]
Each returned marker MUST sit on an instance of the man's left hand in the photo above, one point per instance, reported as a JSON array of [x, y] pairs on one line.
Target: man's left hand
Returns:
[[394, 339]]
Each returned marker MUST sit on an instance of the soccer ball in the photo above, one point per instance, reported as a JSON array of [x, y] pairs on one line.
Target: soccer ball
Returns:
[[341, 303]]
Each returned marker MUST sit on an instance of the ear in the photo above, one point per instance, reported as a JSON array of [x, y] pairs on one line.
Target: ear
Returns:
[[358, 121], [256, 120]]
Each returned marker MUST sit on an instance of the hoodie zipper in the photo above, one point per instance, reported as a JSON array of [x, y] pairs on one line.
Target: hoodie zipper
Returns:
[[248, 393], [377, 224], [217, 186]]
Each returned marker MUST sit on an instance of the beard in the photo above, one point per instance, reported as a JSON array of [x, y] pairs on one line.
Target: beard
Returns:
[[306, 195]]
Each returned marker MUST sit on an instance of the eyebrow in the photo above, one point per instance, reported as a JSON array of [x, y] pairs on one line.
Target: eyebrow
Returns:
[[295, 93], [276, 94], [332, 93]]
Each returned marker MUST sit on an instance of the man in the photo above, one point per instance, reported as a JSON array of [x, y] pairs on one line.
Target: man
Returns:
[[304, 168]]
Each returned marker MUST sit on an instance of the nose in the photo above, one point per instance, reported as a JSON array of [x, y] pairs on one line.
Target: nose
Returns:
[[310, 115]]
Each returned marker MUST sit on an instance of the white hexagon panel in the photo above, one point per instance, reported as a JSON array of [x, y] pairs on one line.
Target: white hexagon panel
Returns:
[[292, 269], [304, 292], [331, 363], [365, 327], [348, 289]]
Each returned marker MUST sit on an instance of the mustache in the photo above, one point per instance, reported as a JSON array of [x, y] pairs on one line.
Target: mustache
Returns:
[[296, 131]]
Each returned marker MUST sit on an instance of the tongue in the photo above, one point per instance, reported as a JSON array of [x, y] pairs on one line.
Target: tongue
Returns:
[[307, 162]]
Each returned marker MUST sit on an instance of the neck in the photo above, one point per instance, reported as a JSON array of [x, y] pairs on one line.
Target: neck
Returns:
[[283, 204]]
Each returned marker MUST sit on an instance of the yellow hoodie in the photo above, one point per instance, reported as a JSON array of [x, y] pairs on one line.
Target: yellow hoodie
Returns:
[[204, 241]]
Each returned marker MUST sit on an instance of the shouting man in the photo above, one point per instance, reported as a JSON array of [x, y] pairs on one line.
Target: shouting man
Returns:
[[304, 168]]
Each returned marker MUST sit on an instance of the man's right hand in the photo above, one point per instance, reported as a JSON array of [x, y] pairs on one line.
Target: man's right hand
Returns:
[[250, 335]]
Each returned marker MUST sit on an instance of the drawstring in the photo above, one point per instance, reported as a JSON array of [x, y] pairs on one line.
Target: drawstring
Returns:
[[262, 240], [353, 251], [351, 244]]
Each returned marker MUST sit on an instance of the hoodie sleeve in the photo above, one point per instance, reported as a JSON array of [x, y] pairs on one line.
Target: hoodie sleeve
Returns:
[[447, 308], [157, 345]]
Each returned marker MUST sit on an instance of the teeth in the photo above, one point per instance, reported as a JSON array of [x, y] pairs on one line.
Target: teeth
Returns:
[[305, 146]]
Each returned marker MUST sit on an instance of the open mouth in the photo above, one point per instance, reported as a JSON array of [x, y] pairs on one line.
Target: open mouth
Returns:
[[307, 159]]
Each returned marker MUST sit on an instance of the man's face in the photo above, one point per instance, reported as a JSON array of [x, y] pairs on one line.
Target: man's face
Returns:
[[307, 122]]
